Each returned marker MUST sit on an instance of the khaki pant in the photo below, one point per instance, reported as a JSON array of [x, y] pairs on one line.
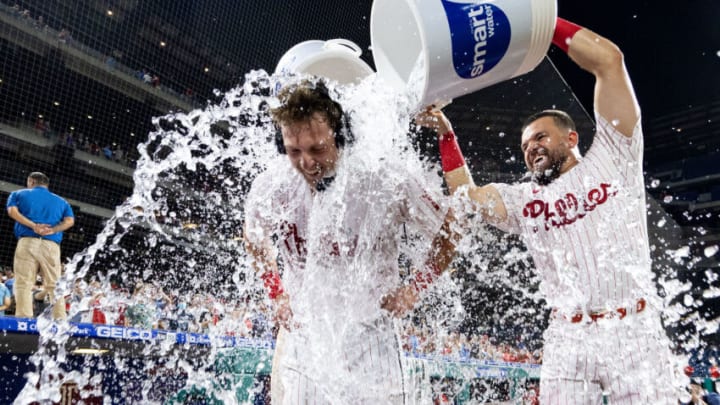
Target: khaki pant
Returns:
[[31, 255]]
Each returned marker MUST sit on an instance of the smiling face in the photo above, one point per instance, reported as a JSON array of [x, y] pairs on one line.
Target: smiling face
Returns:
[[310, 146], [548, 149]]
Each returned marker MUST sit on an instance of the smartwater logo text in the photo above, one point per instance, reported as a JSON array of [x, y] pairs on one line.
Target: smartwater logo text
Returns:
[[480, 35]]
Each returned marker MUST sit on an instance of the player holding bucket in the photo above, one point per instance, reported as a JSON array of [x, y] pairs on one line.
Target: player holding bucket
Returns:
[[584, 221]]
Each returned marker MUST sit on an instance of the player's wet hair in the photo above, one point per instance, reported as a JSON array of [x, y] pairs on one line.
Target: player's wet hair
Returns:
[[299, 102], [561, 119], [39, 178]]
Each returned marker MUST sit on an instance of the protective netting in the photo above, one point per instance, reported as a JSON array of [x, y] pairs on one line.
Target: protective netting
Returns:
[[159, 201]]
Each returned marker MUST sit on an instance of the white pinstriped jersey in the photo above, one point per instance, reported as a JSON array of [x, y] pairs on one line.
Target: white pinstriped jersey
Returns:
[[351, 232], [587, 234], [587, 230], [339, 251]]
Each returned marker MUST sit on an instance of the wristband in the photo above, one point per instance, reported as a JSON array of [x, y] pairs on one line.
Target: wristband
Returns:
[[422, 279], [272, 283], [564, 32], [450, 155]]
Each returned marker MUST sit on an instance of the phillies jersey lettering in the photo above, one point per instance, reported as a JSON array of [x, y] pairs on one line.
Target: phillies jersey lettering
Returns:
[[348, 249], [567, 210], [293, 241], [297, 244]]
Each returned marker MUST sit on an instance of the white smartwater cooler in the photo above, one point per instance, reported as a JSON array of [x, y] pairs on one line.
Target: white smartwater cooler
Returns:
[[458, 46]]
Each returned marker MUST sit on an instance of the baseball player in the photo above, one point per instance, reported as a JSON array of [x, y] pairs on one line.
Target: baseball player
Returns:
[[335, 223], [583, 219]]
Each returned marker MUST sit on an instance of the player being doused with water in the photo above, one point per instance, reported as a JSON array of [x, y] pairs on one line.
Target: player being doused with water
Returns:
[[324, 225]]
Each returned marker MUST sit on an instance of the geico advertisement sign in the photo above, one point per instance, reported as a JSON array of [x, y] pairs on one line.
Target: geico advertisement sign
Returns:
[[124, 333]]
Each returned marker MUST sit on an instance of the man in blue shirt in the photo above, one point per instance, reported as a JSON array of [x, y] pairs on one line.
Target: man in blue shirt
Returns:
[[40, 217]]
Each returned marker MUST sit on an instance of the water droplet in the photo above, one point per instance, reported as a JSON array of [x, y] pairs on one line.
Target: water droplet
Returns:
[[655, 183], [667, 199], [501, 134], [680, 253], [712, 293], [711, 250], [125, 222]]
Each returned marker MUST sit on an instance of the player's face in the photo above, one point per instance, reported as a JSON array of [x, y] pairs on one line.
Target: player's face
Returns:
[[310, 145], [546, 148]]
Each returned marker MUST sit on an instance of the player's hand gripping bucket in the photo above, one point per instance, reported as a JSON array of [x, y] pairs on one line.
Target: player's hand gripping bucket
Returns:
[[441, 49], [335, 59]]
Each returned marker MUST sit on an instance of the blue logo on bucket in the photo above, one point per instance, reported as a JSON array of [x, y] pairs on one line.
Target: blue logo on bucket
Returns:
[[480, 34]]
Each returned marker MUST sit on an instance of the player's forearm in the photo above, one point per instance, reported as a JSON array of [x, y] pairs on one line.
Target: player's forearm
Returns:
[[441, 255], [615, 98], [454, 167], [458, 178], [443, 246], [455, 170], [594, 53], [261, 261], [270, 276], [272, 283], [266, 267], [588, 49]]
